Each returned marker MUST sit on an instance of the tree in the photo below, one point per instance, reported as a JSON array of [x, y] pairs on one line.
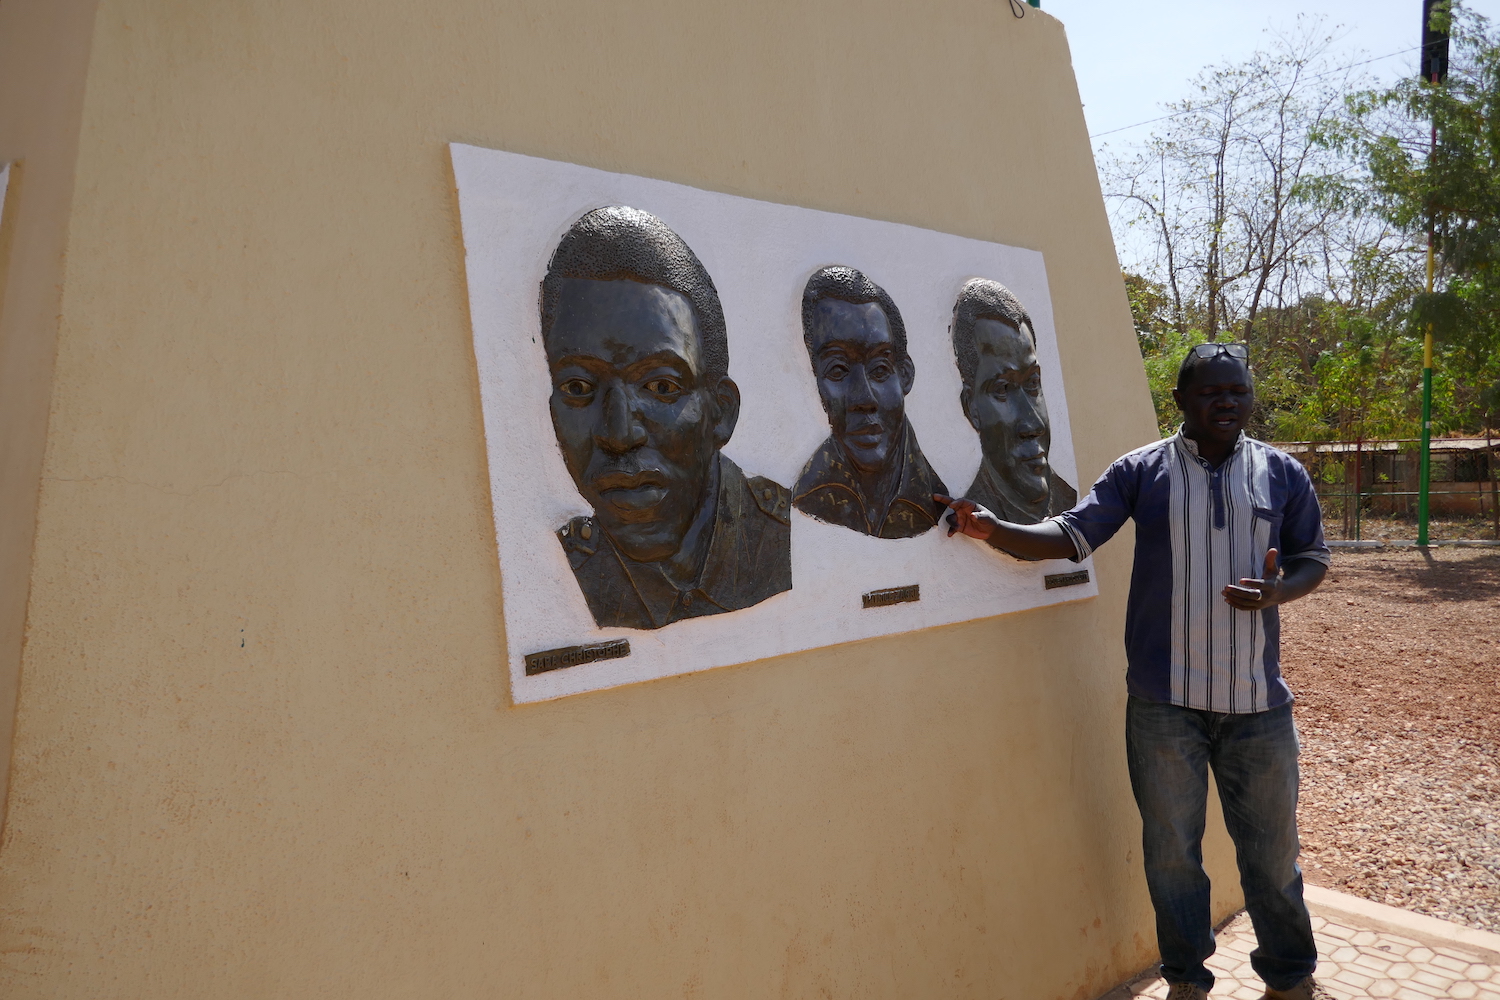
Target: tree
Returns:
[[1150, 307], [1216, 197], [1226, 212], [1430, 156]]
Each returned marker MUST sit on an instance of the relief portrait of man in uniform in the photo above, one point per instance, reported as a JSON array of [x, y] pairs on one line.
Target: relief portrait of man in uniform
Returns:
[[995, 345], [642, 404], [870, 474]]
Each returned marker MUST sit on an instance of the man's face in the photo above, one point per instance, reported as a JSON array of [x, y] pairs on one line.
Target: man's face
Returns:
[[1006, 406], [1217, 401], [638, 424], [862, 383]]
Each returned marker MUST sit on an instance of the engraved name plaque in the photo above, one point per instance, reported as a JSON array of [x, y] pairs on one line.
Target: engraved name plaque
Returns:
[[1055, 580], [572, 656], [893, 595]]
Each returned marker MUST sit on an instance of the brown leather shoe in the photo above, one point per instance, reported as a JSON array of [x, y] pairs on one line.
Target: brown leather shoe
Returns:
[[1308, 989], [1187, 991]]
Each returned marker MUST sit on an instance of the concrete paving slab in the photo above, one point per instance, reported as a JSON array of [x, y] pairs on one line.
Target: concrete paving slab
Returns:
[[1365, 949]]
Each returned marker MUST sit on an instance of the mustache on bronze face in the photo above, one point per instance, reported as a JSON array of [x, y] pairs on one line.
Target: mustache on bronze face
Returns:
[[629, 480], [1029, 451]]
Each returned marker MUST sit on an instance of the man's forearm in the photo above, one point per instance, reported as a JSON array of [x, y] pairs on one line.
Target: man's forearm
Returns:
[[1046, 540], [1300, 578]]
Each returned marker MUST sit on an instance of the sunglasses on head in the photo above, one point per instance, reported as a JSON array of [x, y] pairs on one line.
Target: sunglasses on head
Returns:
[[1237, 351]]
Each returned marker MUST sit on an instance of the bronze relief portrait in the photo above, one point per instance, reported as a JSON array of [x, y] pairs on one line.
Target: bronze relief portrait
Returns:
[[995, 346], [642, 404], [870, 474]]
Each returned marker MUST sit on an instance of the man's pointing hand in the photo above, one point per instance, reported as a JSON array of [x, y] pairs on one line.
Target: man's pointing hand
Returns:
[[968, 517]]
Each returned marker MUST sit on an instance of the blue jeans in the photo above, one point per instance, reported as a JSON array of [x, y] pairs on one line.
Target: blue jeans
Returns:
[[1254, 758]]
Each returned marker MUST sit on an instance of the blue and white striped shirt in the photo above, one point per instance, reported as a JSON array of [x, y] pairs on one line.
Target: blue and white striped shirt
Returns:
[[1197, 529]]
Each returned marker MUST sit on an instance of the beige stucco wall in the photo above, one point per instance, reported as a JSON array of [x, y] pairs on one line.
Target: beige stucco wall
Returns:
[[44, 49], [264, 745]]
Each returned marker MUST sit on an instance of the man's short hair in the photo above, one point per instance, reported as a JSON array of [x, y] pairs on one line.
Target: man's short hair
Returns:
[[980, 299], [615, 243], [1191, 363], [847, 284]]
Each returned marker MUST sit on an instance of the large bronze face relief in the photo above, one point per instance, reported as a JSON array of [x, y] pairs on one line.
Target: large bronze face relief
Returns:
[[995, 345], [869, 475], [642, 403]]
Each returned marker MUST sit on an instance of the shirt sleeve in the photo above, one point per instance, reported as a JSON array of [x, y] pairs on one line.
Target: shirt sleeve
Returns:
[[1104, 511], [1302, 520]]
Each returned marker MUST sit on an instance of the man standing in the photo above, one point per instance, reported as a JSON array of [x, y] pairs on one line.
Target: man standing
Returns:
[[1213, 508], [870, 474]]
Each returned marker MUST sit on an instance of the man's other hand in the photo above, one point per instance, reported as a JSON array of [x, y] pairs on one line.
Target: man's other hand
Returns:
[[1254, 594], [968, 517]]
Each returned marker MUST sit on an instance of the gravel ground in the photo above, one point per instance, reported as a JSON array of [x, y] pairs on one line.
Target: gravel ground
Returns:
[[1396, 664], [1441, 528]]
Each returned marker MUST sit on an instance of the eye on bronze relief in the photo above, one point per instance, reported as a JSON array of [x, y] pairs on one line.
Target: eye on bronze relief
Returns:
[[870, 474], [995, 346], [642, 405]]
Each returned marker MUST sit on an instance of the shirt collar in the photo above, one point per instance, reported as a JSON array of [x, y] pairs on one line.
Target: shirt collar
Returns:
[[1190, 446]]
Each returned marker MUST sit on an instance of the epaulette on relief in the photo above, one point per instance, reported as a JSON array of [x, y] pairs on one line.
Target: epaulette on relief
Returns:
[[580, 539], [771, 497]]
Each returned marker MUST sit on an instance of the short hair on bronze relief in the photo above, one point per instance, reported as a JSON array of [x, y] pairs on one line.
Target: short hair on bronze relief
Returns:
[[980, 299], [622, 243], [850, 285]]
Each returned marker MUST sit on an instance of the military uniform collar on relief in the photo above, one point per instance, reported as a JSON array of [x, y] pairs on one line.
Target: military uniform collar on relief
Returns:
[[828, 487], [649, 598], [991, 492]]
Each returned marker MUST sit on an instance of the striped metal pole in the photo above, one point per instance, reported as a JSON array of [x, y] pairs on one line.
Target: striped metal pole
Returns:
[[1434, 66]]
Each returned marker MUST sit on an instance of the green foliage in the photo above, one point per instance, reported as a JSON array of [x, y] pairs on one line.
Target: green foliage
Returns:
[[1489, 398], [1150, 307], [1323, 371], [1453, 187], [1363, 387], [1316, 256], [1444, 314], [1161, 374]]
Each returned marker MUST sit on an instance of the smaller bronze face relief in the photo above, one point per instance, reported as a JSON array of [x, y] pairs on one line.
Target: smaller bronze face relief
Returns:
[[861, 381], [869, 475], [995, 345]]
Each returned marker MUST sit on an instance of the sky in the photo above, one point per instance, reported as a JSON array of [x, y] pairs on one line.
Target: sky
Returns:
[[1130, 56]]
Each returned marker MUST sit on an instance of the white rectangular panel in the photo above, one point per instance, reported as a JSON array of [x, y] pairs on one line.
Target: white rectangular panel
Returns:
[[514, 210]]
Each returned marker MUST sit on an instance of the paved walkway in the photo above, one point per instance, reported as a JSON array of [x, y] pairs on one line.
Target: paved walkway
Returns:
[[1360, 955]]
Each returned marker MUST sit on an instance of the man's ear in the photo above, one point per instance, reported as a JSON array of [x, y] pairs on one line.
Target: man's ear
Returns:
[[908, 371], [1177, 398], [966, 400], [727, 395]]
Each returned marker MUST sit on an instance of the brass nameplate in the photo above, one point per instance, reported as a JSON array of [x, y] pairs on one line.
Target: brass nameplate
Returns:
[[893, 595], [1055, 580], [572, 656]]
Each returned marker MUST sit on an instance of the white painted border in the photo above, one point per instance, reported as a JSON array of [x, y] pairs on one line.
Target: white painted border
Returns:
[[515, 208]]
